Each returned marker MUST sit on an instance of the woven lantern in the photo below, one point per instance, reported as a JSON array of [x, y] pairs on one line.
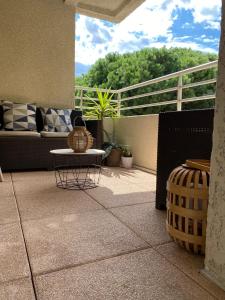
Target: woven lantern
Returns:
[[80, 139], [187, 202]]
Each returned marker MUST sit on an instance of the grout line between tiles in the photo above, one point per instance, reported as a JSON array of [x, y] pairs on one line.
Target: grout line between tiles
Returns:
[[95, 199], [155, 246], [128, 226], [91, 261], [131, 204], [112, 207], [24, 240], [186, 274], [131, 229], [106, 258]]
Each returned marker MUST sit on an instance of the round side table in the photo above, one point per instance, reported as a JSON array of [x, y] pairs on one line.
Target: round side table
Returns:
[[77, 171]]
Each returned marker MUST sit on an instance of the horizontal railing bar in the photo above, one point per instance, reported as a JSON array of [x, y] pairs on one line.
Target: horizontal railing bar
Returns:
[[206, 97], [85, 88], [150, 105], [178, 74], [170, 76], [95, 99], [150, 94], [85, 98], [201, 98], [83, 107], [199, 83], [156, 92]]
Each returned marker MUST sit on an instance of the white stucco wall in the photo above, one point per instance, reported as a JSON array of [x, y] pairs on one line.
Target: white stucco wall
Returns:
[[215, 238], [141, 134], [37, 51]]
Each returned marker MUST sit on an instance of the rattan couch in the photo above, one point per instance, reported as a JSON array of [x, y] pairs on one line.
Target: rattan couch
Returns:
[[32, 152]]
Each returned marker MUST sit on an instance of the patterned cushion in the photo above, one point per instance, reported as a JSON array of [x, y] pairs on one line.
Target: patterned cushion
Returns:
[[18, 116], [56, 119], [64, 121], [49, 116]]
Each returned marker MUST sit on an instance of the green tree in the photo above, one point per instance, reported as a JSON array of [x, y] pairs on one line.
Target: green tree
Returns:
[[117, 71]]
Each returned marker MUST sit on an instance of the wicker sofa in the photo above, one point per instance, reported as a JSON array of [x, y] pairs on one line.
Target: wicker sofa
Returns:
[[29, 150]]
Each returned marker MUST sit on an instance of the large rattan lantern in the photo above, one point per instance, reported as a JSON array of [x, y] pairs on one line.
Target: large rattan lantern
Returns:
[[80, 139], [187, 202]]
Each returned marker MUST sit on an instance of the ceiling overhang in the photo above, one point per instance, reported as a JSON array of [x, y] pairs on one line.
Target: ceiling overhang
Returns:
[[111, 10]]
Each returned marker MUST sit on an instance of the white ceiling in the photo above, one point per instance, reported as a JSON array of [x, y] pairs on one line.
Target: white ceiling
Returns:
[[111, 10]]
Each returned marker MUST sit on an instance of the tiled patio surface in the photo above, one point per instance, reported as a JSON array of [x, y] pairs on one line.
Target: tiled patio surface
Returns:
[[106, 243]]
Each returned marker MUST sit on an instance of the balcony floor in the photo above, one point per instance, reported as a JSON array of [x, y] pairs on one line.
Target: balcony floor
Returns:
[[105, 243]]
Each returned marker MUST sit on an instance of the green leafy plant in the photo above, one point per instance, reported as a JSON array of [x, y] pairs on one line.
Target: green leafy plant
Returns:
[[126, 152], [101, 108], [108, 147]]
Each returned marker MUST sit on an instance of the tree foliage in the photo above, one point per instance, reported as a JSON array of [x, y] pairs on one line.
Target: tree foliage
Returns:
[[117, 71]]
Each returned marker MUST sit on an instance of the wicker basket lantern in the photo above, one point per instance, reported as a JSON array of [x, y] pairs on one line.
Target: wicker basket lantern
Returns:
[[80, 139], [187, 202]]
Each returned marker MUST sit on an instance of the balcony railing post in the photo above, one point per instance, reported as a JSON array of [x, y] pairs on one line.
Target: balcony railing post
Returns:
[[179, 93], [81, 100], [118, 103]]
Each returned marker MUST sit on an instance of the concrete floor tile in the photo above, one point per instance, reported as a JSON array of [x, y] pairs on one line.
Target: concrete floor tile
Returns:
[[137, 178], [13, 259], [6, 189], [36, 206], [120, 194], [142, 275], [87, 248], [191, 265], [8, 210], [62, 241], [29, 176], [21, 289], [146, 221], [130, 175], [36, 186]]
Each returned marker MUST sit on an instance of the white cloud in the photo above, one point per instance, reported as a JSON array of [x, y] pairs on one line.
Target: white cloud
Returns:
[[182, 44], [204, 11], [144, 26]]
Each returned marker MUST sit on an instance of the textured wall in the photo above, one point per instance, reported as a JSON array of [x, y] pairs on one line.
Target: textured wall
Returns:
[[37, 51], [215, 246], [141, 133]]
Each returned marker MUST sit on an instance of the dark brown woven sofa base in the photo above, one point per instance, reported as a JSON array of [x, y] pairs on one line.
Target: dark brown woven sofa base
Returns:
[[181, 135], [32, 152]]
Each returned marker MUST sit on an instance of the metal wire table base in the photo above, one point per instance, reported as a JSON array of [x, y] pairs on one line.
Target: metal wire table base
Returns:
[[77, 171], [78, 178]]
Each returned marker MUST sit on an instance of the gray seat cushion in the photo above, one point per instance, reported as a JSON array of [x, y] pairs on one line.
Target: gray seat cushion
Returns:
[[5, 133], [54, 134]]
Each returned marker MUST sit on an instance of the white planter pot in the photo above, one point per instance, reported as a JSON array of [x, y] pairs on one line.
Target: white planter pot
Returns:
[[127, 162]]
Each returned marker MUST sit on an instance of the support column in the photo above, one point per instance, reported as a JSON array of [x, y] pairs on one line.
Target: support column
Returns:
[[215, 237]]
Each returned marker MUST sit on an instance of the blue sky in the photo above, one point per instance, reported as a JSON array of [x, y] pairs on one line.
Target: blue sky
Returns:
[[156, 23]]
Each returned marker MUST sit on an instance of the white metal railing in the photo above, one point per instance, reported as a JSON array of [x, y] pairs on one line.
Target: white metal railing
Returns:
[[179, 88]]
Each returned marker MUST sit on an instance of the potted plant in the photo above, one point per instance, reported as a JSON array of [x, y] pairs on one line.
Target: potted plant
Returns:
[[99, 109], [113, 154], [126, 158]]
